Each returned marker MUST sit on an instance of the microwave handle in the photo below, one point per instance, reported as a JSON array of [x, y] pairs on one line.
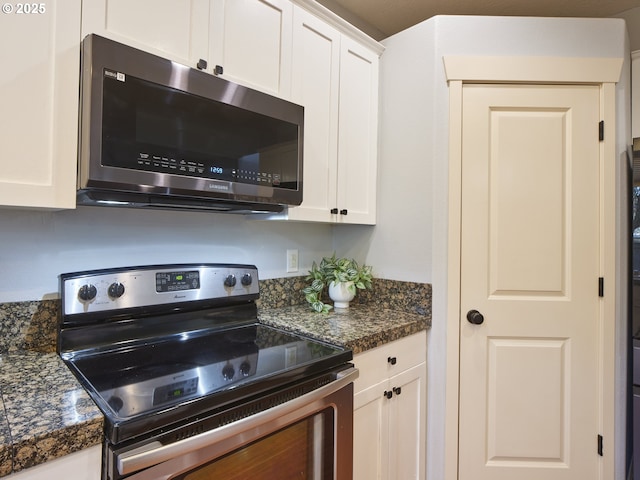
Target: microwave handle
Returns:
[[155, 453]]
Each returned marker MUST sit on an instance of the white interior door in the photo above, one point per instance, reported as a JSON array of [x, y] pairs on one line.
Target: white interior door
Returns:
[[529, 378]]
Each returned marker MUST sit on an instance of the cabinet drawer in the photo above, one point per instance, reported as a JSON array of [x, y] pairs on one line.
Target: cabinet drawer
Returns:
[[374, 364]]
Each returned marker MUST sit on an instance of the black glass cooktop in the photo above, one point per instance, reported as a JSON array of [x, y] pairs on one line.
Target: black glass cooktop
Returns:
[[146, 383]]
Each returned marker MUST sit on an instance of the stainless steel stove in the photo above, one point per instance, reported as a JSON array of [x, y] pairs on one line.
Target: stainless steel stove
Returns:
[[175, 357]]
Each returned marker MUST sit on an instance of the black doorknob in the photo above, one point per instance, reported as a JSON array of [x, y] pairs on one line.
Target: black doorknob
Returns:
[[475, 317]]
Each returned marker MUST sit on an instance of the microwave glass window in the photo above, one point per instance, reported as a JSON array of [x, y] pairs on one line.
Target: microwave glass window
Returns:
[[151, 127]]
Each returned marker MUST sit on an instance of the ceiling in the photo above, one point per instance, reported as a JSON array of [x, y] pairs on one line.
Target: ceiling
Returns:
[[383, 18]]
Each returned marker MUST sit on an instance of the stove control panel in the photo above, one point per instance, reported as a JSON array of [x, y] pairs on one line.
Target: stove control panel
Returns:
[[123, 288]]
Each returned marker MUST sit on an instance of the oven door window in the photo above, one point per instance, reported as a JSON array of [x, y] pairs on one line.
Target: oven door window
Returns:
[[303, 450]]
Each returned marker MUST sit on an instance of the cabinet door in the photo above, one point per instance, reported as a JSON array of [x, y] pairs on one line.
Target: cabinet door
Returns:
[[315, 65], [251, 40], [39, 98], [357, 137], [174, 29], [407, 424], [370, 439]]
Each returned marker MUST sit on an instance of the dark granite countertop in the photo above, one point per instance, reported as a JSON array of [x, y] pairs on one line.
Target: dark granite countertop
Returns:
[[45, 413], [360, 327]]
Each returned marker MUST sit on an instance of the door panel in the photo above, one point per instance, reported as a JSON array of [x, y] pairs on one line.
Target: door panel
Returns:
[[527, 375], [370, 440], [529, 384], [527, 189]]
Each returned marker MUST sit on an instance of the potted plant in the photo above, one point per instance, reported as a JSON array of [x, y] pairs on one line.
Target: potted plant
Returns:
[[342, 277]]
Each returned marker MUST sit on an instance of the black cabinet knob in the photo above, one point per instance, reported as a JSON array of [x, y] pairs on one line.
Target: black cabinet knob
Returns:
[[397, 390], [334, 211], [218, 70], [202, 64], [475, 317], [343, 211], [388, 394], [392, 360]]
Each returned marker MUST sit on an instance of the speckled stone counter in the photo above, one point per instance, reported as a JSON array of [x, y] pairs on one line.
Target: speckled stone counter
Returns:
[[360, 327], [45, 413], [388, 311]]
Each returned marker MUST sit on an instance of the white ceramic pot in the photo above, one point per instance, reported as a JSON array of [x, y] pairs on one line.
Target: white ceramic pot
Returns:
[[340, 294]]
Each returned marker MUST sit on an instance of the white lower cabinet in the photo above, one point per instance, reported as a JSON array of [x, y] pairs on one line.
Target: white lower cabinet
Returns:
[[390, 411], [82, 465]]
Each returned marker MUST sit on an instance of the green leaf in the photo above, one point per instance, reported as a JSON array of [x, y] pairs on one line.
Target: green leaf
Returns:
[[317, 285]]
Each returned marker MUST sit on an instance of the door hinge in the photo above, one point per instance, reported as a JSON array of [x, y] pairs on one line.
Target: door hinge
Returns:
[[601, 130], [601, 287], [600, 445]]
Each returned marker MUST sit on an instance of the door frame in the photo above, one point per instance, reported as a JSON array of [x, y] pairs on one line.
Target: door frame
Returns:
[[604, 72]]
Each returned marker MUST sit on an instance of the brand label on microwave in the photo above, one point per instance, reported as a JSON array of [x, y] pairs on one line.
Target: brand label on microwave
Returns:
[[117, 75]]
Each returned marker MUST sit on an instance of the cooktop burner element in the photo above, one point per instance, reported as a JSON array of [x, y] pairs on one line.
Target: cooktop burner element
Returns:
[[159, 345]]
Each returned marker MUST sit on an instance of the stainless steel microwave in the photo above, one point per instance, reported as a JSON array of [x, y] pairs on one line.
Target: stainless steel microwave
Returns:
[[155, 133]]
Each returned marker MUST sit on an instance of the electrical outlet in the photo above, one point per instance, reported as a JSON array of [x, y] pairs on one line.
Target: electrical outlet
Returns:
[[292, 261]]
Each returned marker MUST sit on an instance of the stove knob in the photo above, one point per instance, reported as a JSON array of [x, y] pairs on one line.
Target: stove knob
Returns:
[[246, 279], [87, 292], [245, 369], [230, 281], [228, 372], [116, 290]]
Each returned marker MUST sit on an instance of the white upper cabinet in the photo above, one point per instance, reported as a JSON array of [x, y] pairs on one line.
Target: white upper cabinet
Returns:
[[316, 77], [357, 134], [174, 29], [336, 79], [39, 99], [251, 40]]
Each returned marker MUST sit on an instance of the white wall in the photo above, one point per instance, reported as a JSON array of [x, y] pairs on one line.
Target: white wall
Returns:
[[410, 241], [35, 247], [632, 17]]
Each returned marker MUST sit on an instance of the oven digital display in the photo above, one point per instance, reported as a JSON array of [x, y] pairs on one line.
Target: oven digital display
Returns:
[[177, 281], [175, 391]]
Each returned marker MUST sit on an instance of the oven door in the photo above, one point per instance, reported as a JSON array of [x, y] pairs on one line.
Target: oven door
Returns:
[[308, 437]]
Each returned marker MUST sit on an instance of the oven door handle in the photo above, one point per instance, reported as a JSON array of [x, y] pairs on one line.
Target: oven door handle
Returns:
[[155, 453]]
